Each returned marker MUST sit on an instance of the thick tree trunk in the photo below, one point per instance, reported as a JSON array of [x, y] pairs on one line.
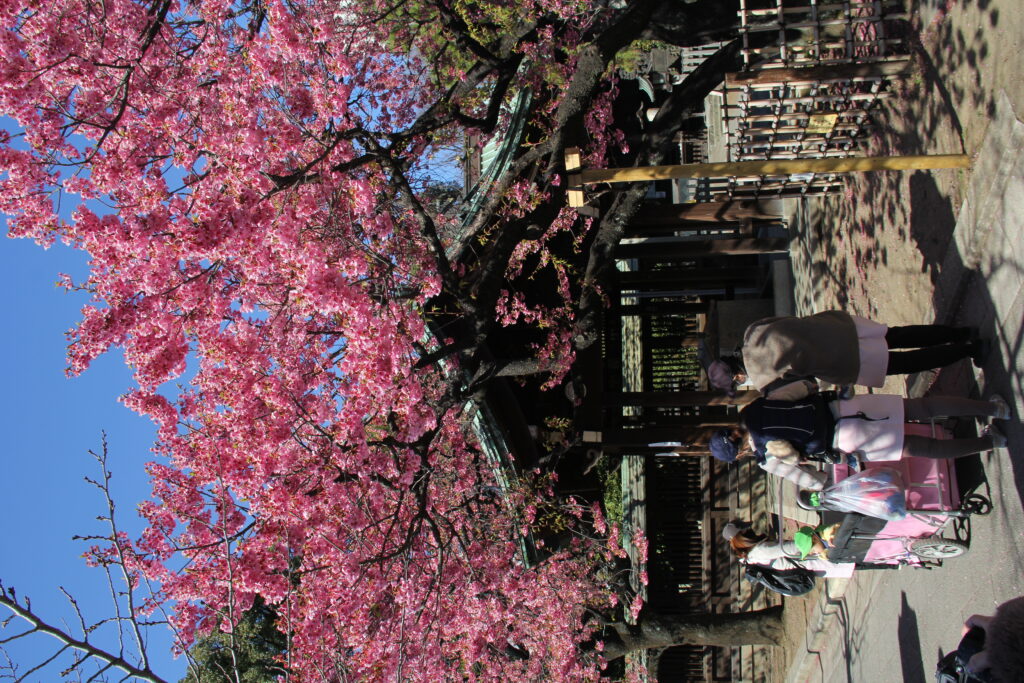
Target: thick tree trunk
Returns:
[[763, 627]]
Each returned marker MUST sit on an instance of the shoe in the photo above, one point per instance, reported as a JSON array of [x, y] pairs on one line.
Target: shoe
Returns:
[[1002, 408], [981, 349], [997, 436]]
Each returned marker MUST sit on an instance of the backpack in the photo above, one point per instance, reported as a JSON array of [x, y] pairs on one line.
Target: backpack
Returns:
[[785, 581], [807, 424]]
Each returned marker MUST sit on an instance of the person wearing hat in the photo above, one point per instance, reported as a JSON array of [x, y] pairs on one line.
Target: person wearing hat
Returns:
[[726, 373], [731, 444], [807, 550], [780, 434], [845, 349]]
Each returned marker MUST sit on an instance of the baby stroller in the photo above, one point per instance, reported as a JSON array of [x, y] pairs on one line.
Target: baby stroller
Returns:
[[933, 501]]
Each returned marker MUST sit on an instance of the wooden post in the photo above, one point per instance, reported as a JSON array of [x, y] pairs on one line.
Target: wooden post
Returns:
[[771, 167], [672, 399], [678, 278], [573, 163], [818, 74], [702, 248], [703, 212]]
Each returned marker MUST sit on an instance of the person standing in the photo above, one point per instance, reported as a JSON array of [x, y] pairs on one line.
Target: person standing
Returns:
[[841, 348], [781, 435]]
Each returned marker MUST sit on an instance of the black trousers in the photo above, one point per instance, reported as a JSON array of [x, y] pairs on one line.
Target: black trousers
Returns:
[[934, 347], [931, 407]]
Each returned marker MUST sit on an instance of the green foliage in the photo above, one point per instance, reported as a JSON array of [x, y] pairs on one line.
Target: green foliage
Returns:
[[611, 483], [485, 20], [562, 424], [629, 58], [257, 644]]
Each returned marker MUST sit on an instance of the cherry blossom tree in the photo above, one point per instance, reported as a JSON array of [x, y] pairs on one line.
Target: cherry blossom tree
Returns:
[[251, 181], [252, 648]]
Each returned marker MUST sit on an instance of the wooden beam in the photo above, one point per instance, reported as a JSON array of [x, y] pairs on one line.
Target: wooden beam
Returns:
[[573, 163], [782, 167], [681, 277], [740, 246], [702, 212], [664, 420], [642, 437]]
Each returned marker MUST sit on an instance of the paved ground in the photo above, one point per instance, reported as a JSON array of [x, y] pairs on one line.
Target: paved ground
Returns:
[[915, 247]]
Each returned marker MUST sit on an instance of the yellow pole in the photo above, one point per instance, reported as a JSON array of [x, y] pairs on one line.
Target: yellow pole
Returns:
[[770, 167]]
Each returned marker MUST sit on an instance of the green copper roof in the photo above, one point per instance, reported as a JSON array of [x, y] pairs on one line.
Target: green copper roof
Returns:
[[496, 158]]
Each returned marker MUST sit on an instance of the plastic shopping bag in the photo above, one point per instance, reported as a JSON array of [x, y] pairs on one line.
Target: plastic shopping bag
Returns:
[[877, 492]]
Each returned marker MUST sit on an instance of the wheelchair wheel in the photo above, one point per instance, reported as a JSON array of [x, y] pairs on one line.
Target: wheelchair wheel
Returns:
[[938, 548]]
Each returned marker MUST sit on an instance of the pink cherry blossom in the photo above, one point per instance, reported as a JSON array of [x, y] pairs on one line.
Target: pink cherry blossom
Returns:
[[247, 239]]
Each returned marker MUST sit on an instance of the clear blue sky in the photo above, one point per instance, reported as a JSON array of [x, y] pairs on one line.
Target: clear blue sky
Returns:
[[49, 422]]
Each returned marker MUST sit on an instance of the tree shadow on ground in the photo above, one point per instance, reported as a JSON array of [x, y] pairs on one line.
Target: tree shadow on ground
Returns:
[[963, 49], [963, 296], [932, 223], [848, 246], [972, 274], [845, 238]]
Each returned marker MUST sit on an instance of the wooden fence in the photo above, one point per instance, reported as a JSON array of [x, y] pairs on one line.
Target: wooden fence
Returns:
[[675, 518]]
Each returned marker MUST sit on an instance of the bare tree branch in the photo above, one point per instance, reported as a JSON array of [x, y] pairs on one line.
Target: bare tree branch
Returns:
[[8, 600]]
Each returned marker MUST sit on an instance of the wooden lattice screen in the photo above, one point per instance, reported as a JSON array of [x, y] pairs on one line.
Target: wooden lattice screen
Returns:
[[812, 74]]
